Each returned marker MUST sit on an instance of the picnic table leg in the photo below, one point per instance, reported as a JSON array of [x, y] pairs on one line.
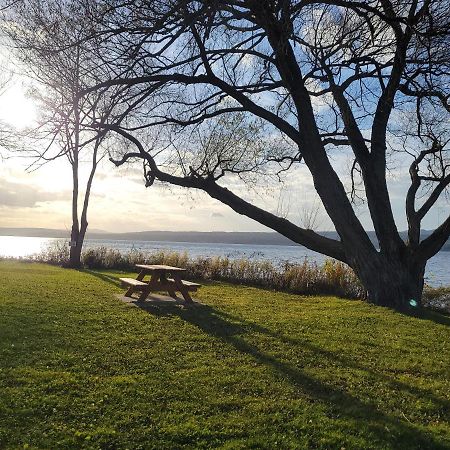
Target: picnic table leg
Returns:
[[129, 292], [153, 281], [141, 275], [131, 289], [171, 292], [183, 289]]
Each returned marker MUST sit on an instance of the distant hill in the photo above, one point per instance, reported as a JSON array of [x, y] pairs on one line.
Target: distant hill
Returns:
[[171, 236], [42, 232], [213, 237], [34, 232]]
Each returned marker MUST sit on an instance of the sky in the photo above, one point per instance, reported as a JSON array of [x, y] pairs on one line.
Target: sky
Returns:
[[119, 200], [121, 203]]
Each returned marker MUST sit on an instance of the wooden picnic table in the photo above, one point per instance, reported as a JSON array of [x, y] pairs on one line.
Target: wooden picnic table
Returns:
[[159, 281]]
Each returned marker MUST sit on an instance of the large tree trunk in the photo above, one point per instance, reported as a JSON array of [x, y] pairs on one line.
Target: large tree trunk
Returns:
[[394, 283]]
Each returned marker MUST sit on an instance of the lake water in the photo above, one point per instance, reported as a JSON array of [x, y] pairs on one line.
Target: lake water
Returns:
[[437, 270]]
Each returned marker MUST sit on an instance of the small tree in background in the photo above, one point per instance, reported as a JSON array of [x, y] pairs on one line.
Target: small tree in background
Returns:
[[47, 41]]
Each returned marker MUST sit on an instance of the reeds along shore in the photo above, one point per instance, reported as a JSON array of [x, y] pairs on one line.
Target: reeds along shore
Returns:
[[330, 278], [307, 278]]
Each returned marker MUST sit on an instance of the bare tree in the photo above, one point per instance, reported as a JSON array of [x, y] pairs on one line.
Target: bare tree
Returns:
[[325, 77], [47, 41], [321, 77]]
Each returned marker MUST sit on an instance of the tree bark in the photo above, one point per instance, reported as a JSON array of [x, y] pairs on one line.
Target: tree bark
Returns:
[[396, 283], [75, 254], [75, 249], [79, 229]]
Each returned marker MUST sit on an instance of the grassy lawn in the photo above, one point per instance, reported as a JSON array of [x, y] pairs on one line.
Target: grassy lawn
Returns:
[[250, 368]]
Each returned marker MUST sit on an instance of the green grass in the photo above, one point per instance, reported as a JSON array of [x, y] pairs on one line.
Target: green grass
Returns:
[[251, 368]]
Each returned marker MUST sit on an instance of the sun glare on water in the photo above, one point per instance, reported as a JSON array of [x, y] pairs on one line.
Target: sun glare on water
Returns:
[[19, 247]]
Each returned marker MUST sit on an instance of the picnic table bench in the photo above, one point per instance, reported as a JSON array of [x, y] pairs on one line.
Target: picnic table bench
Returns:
[[159, 281]]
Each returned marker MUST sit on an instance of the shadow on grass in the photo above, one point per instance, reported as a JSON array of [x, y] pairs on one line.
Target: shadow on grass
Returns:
[[433, 316], [422, 313], [112, 279], [232, 329]]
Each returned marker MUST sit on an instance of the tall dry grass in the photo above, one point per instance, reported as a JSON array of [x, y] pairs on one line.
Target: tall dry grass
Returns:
[[330, 278]]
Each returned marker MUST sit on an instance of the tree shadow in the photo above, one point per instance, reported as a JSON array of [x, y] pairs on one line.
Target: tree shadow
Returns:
[[336, 357], [232, 330], [421, 313], [428, 314], [112, 279]]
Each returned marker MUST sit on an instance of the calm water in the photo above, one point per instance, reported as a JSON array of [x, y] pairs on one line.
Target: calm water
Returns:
[[437, 271]]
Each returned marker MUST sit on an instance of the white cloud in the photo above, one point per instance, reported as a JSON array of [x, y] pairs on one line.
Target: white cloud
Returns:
[[18, 195]]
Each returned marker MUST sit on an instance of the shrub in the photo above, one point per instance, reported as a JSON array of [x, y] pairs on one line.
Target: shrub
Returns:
[[57, 253]]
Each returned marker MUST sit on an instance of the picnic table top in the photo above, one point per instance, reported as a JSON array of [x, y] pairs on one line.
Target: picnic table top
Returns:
[[160, 267]]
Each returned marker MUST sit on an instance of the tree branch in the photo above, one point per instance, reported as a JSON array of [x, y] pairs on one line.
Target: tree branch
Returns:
[[308, 238]]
